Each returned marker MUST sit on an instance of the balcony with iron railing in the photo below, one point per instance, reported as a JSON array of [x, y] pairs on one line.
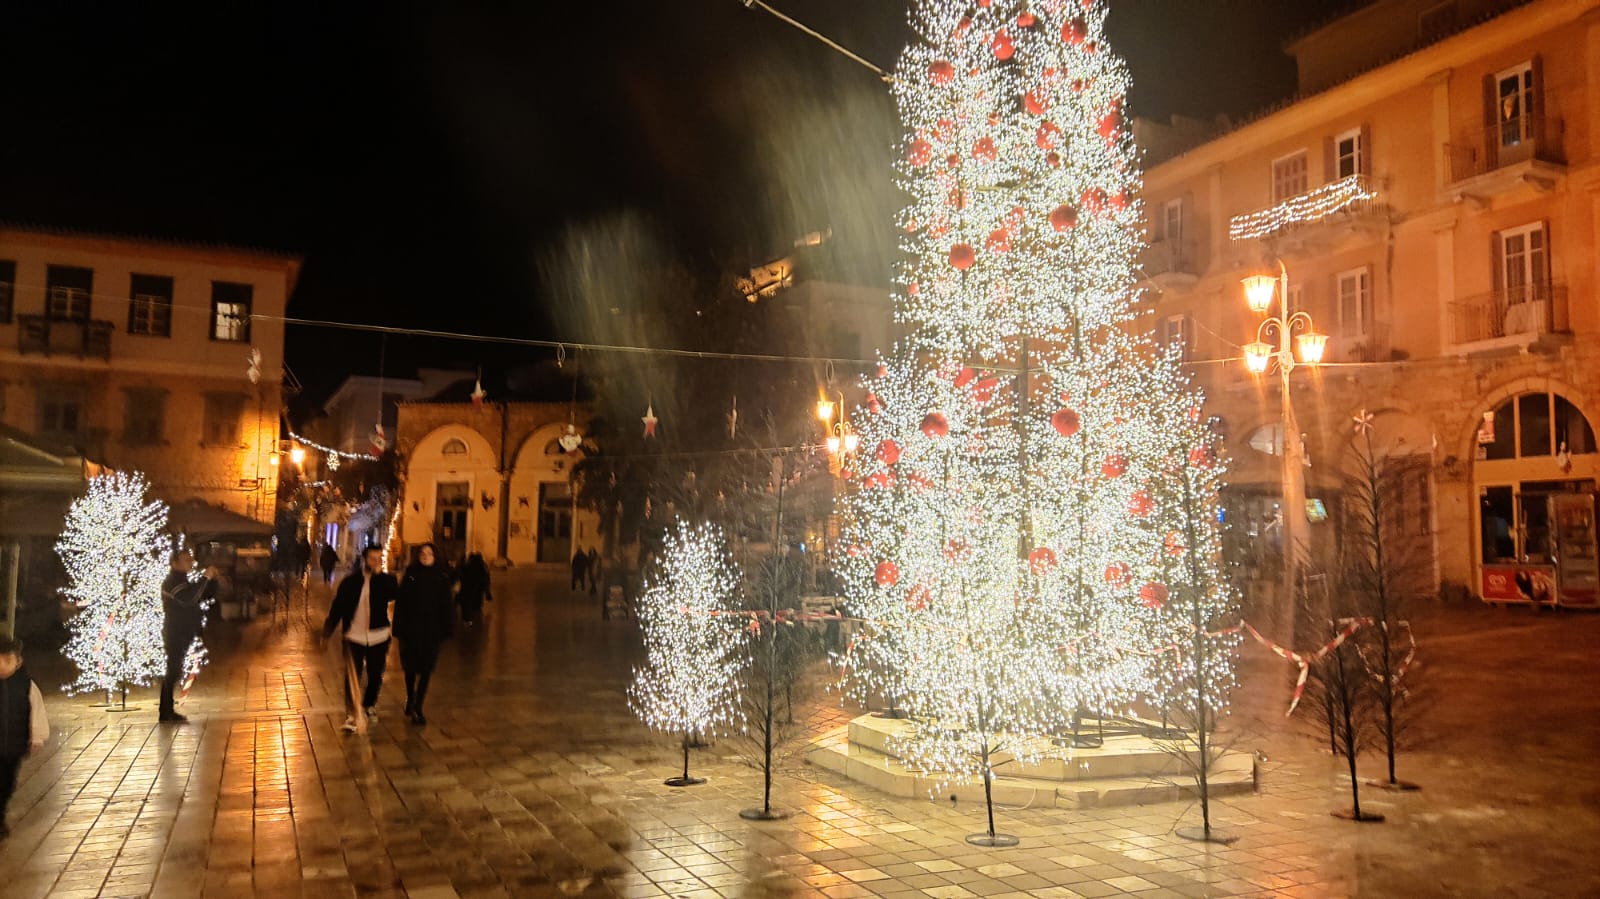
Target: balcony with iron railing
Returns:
[[1509, 317], [1170, 262], [1528, 149], [1345, 201], [86, 339]]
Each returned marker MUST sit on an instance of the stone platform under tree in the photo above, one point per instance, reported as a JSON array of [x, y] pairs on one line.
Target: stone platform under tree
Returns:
[[1127, 769]]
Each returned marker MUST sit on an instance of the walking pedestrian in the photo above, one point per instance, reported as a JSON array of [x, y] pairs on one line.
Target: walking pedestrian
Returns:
[[329, 562], [423, 618], [580, 569], [474, 588], [302, 557], [183, 599], [361, 606], [594, 571], [23, 724]]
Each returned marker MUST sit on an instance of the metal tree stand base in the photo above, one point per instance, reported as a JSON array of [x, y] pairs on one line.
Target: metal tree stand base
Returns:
[[993, 840], [1199, 835], [1365, 817], [1399, 786], [763, 814], [684, 781]]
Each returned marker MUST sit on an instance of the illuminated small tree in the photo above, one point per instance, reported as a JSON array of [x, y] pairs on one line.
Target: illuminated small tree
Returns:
[[694, 635], [116, 554]]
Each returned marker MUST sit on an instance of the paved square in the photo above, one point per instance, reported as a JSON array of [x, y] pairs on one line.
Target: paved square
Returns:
[[532, 779]]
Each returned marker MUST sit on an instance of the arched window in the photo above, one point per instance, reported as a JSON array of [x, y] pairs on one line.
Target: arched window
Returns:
[[553, 448], [1534, 425], [455, 446], [1267, 439]]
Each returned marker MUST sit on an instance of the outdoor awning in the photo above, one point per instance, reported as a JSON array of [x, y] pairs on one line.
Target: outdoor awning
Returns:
[[201, 522], [33, 514]]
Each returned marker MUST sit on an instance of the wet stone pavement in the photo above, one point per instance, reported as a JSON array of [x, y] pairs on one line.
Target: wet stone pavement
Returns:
[[532, 779]]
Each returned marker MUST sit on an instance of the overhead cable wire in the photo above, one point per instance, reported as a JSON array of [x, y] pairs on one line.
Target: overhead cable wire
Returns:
[[812, 32]]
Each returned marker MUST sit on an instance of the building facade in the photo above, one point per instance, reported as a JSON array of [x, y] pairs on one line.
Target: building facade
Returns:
[[1432, 200], [149, 356], [494, 478]]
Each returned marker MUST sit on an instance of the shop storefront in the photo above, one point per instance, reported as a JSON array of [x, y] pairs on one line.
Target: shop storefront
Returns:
[[1535, 477]]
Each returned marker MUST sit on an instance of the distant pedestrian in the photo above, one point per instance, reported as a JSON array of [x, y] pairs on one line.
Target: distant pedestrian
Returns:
[[329, 562], [580, 569], [183, 599], [474, 589], [594, 571], [302, 556], [23, 724], [423, 617], [361, 606]]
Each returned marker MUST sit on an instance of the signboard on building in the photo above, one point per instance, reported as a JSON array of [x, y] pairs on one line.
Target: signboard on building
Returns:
[[1519, 583]]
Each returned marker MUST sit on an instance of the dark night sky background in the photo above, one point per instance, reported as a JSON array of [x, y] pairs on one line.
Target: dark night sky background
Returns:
[[443, 166]]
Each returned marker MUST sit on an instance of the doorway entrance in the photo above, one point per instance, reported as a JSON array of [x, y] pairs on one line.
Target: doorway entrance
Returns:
[[555, 521], [453, 502]]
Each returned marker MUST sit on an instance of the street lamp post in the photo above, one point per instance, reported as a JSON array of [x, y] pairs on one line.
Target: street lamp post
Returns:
[[1303, 348], [842, 440]]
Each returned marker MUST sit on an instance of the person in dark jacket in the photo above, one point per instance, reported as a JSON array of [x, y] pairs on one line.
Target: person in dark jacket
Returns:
[[423, 617], [183, 600], [474, 588], [580, 568], [361, 607], [594, 571], [23, 725], [329, 562]]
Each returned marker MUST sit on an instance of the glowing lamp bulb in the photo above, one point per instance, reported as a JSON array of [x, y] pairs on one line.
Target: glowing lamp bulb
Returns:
[[833, 445], [297, 455], [272, 459], [1256, 356], [1310, 347], [851, 441], [825, 410], [1258, 290]]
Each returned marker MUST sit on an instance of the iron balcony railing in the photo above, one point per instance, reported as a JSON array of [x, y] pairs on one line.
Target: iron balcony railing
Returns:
[[1168, 257], [1527, 309], [1516, 140], [42, 334]]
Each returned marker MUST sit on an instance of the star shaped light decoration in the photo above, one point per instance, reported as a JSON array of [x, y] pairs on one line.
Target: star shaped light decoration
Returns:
[[650, 420], [1363, 420]]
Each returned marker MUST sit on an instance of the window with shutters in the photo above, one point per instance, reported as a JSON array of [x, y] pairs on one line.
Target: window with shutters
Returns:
[[150, 306], [230, 311], [144, 415], [1177, 335], [1288, 176], [61, 410], [1354, 292], [1524, 262], [1348, 154], [223, 417], [67, 292], [1172, 221], [1514, 105]]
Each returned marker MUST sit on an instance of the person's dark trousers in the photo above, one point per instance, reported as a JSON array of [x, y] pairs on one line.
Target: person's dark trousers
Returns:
[[8, 783], [418, 660], [577, 580], [372, 660], [169, 684]]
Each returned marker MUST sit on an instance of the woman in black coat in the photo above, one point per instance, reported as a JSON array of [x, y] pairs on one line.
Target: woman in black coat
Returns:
[[423, 617], [474, 588]]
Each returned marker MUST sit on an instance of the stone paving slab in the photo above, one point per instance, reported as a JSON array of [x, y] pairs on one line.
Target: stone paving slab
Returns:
[[531, 779]]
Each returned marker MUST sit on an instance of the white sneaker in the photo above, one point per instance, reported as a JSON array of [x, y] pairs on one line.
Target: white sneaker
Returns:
[[349, 726]]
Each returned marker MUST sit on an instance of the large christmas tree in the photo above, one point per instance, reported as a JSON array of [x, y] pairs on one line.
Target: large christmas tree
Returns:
[[1019, 530], [116, 552]]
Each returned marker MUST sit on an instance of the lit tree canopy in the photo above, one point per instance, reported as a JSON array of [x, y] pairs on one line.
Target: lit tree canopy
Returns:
[[116, 554]]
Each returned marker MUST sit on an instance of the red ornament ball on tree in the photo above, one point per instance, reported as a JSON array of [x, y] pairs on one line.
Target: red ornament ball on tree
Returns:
[[1066, 422], [1075, 30], [1094, 199], [919, 153], [1063, 217], [888, 452], [984, 150], [1153, 595], [917, 598], [1036, 101], [999, 241], [1026, 20], [1053, 158], [983, 391], [1045, 135], [1200, 457], [1117, 574], [1141, 503], [1115, 466], [964, 376], [887, 574], [1041, 560], [935, 425], [941, 72], [1003, 46], [962, 256]]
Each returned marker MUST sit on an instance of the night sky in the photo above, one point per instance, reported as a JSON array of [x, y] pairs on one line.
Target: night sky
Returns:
[[449, 167]]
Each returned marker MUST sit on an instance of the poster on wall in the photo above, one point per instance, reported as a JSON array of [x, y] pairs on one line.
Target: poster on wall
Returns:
[[1519, 583]]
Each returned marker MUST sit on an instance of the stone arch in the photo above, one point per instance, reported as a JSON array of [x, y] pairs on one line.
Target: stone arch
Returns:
[[1466, 439], [430, 448], [539, 448]]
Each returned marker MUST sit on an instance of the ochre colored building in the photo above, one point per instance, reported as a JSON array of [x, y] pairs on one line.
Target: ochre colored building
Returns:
[[1432, 197], [137, 354]]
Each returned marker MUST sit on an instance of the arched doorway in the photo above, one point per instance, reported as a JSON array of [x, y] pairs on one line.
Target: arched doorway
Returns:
[[1535, 475], [542, 512]]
